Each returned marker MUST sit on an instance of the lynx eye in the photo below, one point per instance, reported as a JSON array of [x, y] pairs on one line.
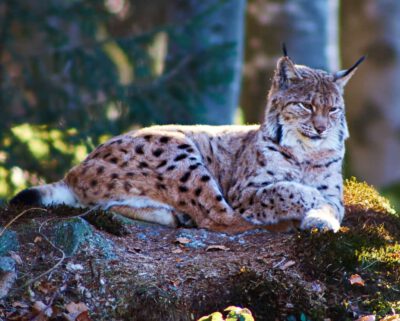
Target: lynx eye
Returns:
[[333, 110], [307, 107]]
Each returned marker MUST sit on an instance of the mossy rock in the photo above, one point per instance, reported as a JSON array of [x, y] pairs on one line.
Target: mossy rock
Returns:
[[8, 242]]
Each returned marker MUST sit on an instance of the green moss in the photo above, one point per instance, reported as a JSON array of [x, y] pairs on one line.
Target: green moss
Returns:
[[365, 197]]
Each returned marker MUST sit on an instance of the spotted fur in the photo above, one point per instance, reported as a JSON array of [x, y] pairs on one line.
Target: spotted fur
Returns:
[[227, 178]]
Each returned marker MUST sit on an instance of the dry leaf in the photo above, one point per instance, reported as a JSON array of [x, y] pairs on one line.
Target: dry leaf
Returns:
[[394, 317], [77, 312], [217, 248], [177, 251], [74, 267], [7, 280], [43, 309], [367, 318], [37, 239], [356, 279], [288, 264], [19, 304], [46, 287], [182, 240], [16, 257]]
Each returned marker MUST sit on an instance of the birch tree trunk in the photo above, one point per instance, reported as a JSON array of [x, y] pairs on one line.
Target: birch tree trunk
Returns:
[[373, 96], [309, 29]]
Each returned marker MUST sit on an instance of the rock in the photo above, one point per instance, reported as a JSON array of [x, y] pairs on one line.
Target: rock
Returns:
[[71, 234], [7, 264], [8, 242]]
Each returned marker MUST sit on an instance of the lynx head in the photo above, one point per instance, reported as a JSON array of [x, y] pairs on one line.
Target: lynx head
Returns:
[[305, 105]]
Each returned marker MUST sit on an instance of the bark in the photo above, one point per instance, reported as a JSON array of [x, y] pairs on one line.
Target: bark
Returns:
[[224, 25], [373, 96], [309, 30]]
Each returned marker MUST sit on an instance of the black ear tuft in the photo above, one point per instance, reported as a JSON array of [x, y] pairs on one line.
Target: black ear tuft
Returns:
[[284, 49], [28, 196]]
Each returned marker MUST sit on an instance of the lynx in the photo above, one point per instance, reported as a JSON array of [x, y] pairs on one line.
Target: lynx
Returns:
[[284, 173]]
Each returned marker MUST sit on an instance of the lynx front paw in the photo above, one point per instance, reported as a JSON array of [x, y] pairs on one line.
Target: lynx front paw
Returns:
[[321, 218]]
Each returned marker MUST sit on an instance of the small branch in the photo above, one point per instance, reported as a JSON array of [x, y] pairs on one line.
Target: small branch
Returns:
[[18, 216]]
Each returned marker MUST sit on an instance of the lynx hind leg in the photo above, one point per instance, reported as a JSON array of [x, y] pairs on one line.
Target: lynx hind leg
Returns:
[[162, 216], [283, 201]]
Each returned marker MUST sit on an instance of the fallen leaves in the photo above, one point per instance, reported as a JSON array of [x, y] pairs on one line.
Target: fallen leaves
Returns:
[[367, 318], [182, 240], [217, 248], [77, 312], [7, 280], [356, 279]]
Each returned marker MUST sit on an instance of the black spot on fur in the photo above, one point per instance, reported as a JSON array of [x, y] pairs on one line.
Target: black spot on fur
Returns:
[[114, 176], [180, 157], [183, 146], [100, 170], [197, 192], [158, 152], [205, 178], [147, 137], [270, 173], [161, 186], [182, 203], [194, 166], [160, 178], [185, 177], [114, 160], [162, 163], [190, 150], [124, 164], [93, 183], [110, 186], [119, 141], [127, 186], [123, 150], [218, 198], [183, 189], [27, 197], [139, 149], [209, 160], [322, 187], [241, 211], [170, 168], [106, 155], [143, 165], [130, 174], [164, 139]]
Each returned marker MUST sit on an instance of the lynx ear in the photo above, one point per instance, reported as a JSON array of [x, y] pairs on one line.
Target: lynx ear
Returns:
[[342, 77], [285, 71]]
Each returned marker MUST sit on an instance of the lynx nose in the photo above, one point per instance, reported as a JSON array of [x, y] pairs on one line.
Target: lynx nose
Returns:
[[320, 128]]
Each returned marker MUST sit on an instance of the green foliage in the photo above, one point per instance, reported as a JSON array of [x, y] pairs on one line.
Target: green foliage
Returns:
[[74, 73]]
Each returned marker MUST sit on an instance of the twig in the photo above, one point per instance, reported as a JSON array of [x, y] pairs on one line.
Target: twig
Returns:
[[18, 216], [29, 282]]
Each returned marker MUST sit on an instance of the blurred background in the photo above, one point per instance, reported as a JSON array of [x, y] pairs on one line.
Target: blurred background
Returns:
[[74, 73]]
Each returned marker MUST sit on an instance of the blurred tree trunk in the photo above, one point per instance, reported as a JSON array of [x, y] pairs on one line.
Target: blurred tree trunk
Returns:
[[222, 24], [309, 29], [373, 97]]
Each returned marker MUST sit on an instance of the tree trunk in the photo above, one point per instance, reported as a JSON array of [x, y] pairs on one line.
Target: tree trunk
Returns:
[[223, 24], [373, 97], [308, 28]]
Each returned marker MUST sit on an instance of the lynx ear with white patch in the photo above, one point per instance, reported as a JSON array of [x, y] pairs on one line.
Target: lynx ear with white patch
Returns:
[[342, 77]]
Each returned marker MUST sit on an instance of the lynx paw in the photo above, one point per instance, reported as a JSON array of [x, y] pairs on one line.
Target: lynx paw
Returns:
[[321, 218]]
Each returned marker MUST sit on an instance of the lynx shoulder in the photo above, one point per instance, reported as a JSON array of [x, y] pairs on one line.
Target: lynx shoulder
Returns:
[[285, 172]]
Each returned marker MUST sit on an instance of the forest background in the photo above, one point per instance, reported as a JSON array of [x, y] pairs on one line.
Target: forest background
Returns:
[[73, 73]]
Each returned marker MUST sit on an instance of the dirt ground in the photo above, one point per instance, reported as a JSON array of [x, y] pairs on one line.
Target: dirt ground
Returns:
[[148, 272]]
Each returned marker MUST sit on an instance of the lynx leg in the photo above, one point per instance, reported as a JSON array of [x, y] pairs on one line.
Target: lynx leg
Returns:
[[283, 201], [162, 216]]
